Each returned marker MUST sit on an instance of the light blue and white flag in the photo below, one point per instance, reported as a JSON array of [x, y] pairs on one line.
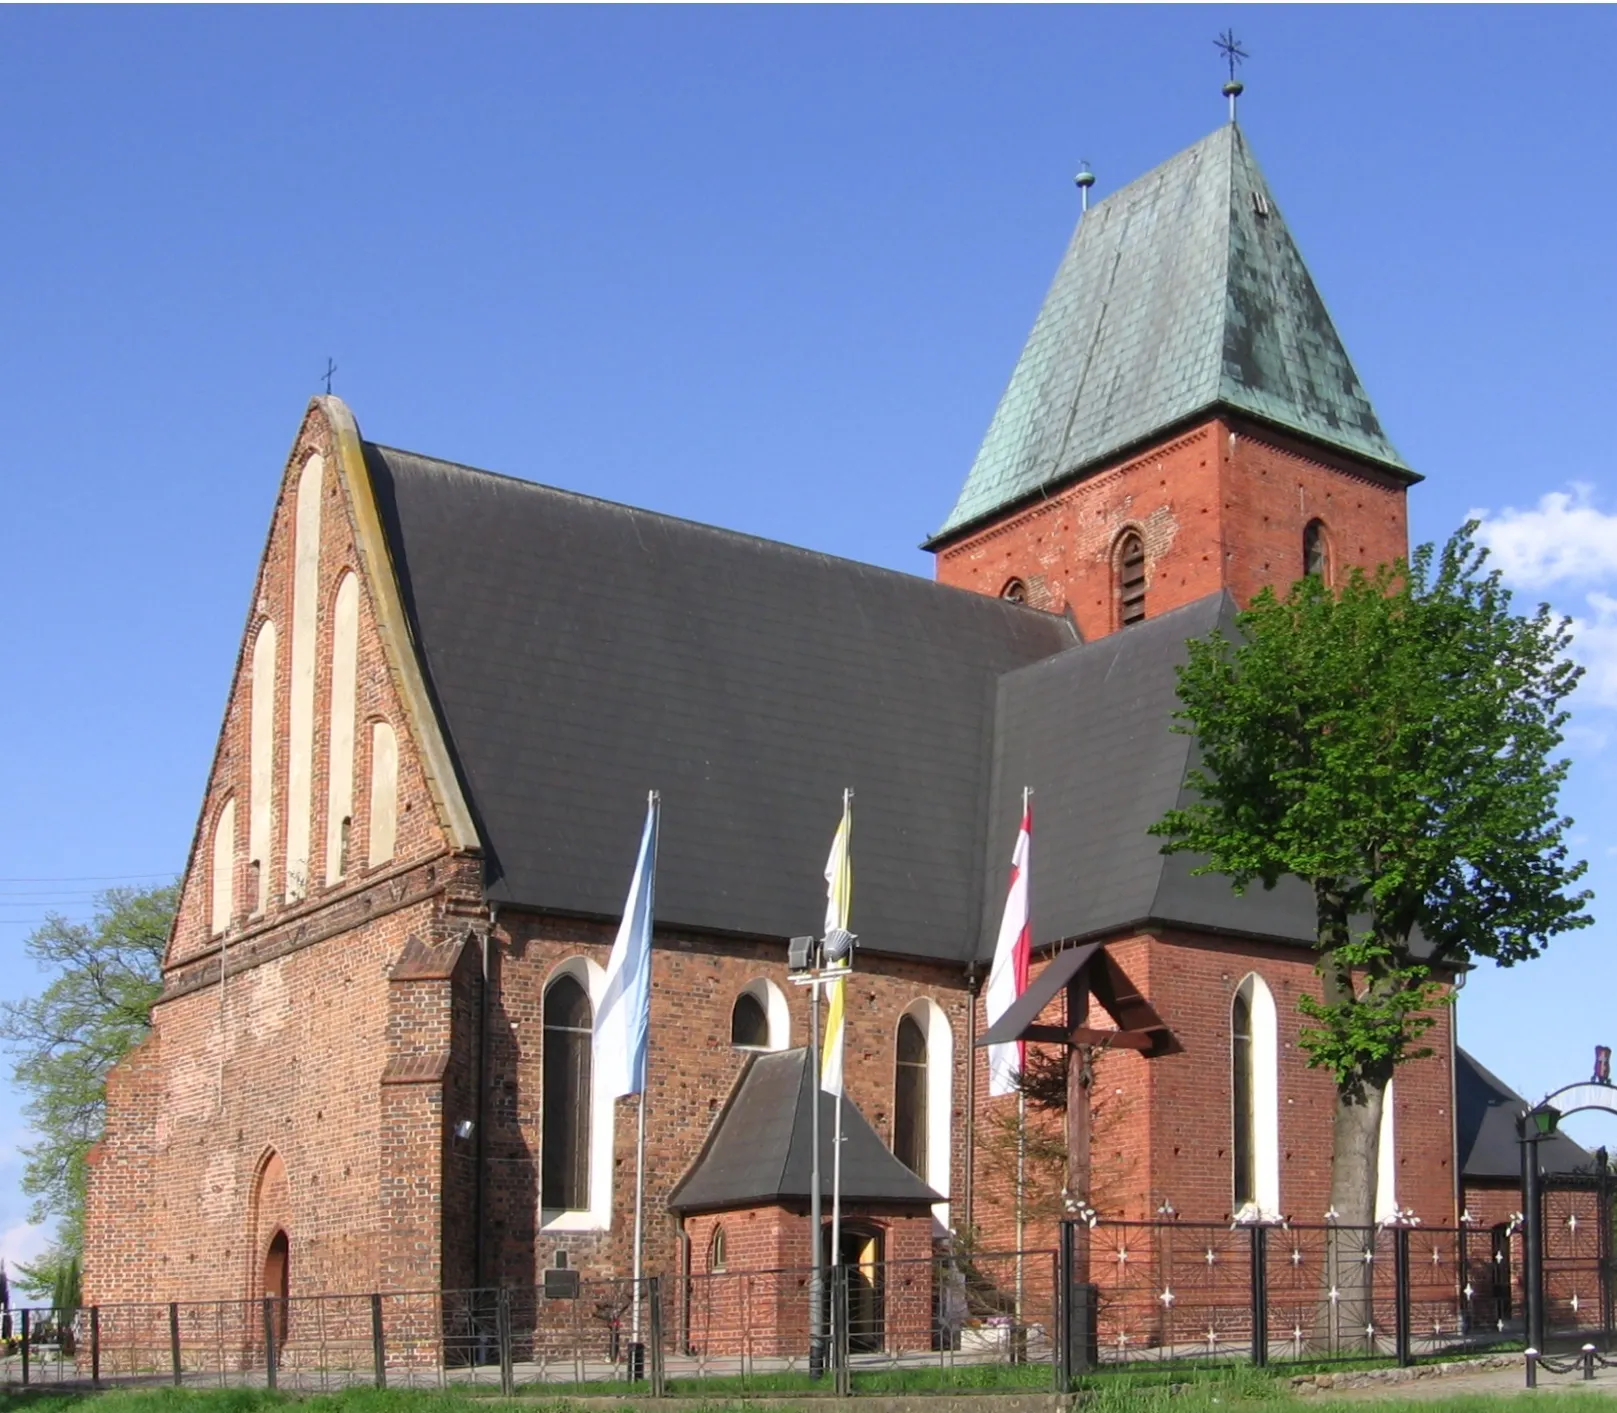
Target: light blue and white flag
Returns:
[[623, 1018]]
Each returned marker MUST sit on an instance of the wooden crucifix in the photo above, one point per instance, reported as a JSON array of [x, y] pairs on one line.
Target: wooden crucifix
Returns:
[[1079, 974]]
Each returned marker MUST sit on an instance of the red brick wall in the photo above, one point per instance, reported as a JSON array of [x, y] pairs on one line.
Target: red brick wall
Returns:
[[293, 1059], [1222, 505], [693, 1068], [1162, 1130], [759, 1303]]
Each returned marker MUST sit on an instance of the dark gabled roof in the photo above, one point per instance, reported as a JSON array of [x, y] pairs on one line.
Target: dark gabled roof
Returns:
[[582, 652], [760, 1149], [1090, 730], [1485, 1113], [1179, 293]]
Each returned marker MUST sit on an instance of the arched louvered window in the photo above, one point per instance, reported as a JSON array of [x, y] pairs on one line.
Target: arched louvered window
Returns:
[[1255, 1099], [1130, 578], [749, 1026], [1316, 551], [565, 1138], [910, 1097]]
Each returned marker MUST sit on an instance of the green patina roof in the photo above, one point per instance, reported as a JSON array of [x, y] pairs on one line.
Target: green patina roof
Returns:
[[1181, 292]]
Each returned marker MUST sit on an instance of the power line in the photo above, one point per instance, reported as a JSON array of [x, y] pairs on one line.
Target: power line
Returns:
[[89, 878]]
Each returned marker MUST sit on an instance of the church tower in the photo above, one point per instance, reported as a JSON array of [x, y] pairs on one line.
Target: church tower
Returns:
[[1183, 418]]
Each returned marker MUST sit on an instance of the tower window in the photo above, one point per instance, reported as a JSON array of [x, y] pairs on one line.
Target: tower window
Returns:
[[1316, 552], [749, 1026], [1015, 590], [565, 1139], [910, 1097], [1131, 578]]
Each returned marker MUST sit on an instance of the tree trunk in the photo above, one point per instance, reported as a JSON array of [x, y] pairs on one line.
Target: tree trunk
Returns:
[[1346, 1312]]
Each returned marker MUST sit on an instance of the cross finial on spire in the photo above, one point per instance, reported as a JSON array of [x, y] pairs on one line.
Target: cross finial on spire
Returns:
[[1230, 47], [330, 369]]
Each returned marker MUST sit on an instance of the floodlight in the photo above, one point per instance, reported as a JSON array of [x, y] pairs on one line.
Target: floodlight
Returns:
[[800, 954], [838, 947]]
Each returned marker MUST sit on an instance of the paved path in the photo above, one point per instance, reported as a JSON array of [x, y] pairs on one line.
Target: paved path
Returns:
[[1480, 1381]]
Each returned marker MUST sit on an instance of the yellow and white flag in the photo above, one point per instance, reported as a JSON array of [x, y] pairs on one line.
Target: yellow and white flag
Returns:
[[838, 900]]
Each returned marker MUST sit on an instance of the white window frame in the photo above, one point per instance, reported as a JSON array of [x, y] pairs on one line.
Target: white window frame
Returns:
[[603, 1119]]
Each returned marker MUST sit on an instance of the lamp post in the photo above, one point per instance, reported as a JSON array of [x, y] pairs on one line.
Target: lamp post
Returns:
[[1534, 1127], [817, 963]]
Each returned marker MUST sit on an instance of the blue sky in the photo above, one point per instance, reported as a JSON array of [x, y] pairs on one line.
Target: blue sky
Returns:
[[763, 267]]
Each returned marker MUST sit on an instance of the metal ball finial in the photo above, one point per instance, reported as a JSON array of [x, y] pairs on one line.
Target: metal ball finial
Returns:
[[1083, 181]]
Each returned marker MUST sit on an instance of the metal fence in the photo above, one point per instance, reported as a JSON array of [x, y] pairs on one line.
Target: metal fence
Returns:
[[1112, 1295]]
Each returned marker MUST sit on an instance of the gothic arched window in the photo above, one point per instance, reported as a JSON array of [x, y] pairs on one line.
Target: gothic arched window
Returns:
[[1130, 578], [749, 1026], [1255, 1100], [717, 1256], [565, 1139], [910, 1098], [1316, 551]]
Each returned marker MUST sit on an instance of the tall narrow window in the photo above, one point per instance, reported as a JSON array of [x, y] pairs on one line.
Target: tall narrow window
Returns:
[[1130, 578], [340, 727], [1241, 1089], [718, 1259], [1316, 551], [910, 1098], [261, 766], [565, 1139], [1386, 1203], [1255, 1100], [223, 867], [384, 792], [300, 710]]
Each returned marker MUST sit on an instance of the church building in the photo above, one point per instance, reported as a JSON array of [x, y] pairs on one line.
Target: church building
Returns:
[[370, 1065]]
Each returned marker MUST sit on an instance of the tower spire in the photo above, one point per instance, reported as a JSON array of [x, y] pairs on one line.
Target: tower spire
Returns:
[[1230, 47]]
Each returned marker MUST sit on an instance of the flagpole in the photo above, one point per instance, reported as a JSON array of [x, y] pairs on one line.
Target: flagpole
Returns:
[[639, 1202], [817, 1284], [653, 804], [1021, 1107], [839, 1336]]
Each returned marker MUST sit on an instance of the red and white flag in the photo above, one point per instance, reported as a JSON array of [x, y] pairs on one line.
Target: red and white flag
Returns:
[[1008, 978]]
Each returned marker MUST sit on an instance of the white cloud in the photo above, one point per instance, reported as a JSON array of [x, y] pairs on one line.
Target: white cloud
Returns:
[[1566, 538], [23, 1241], [1594, 645]]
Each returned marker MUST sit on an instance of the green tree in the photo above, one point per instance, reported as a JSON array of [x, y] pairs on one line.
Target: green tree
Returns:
[[1391, 745], [96, 1007]]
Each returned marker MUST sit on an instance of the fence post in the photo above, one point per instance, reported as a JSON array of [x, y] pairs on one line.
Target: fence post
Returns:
[[95, 1346], [1400, 1293], [174, 1341], [1260, 1294], [654, 1330], [378, 1342], [1078, 1320], [269, 1342], [1588, 1362], [1531, 1356], [502, 1329], [25, 1346], [839, 1345], [1603, 1232]]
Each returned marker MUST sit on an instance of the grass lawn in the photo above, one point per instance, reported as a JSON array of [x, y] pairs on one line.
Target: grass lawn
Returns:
[[1229, 1391]]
